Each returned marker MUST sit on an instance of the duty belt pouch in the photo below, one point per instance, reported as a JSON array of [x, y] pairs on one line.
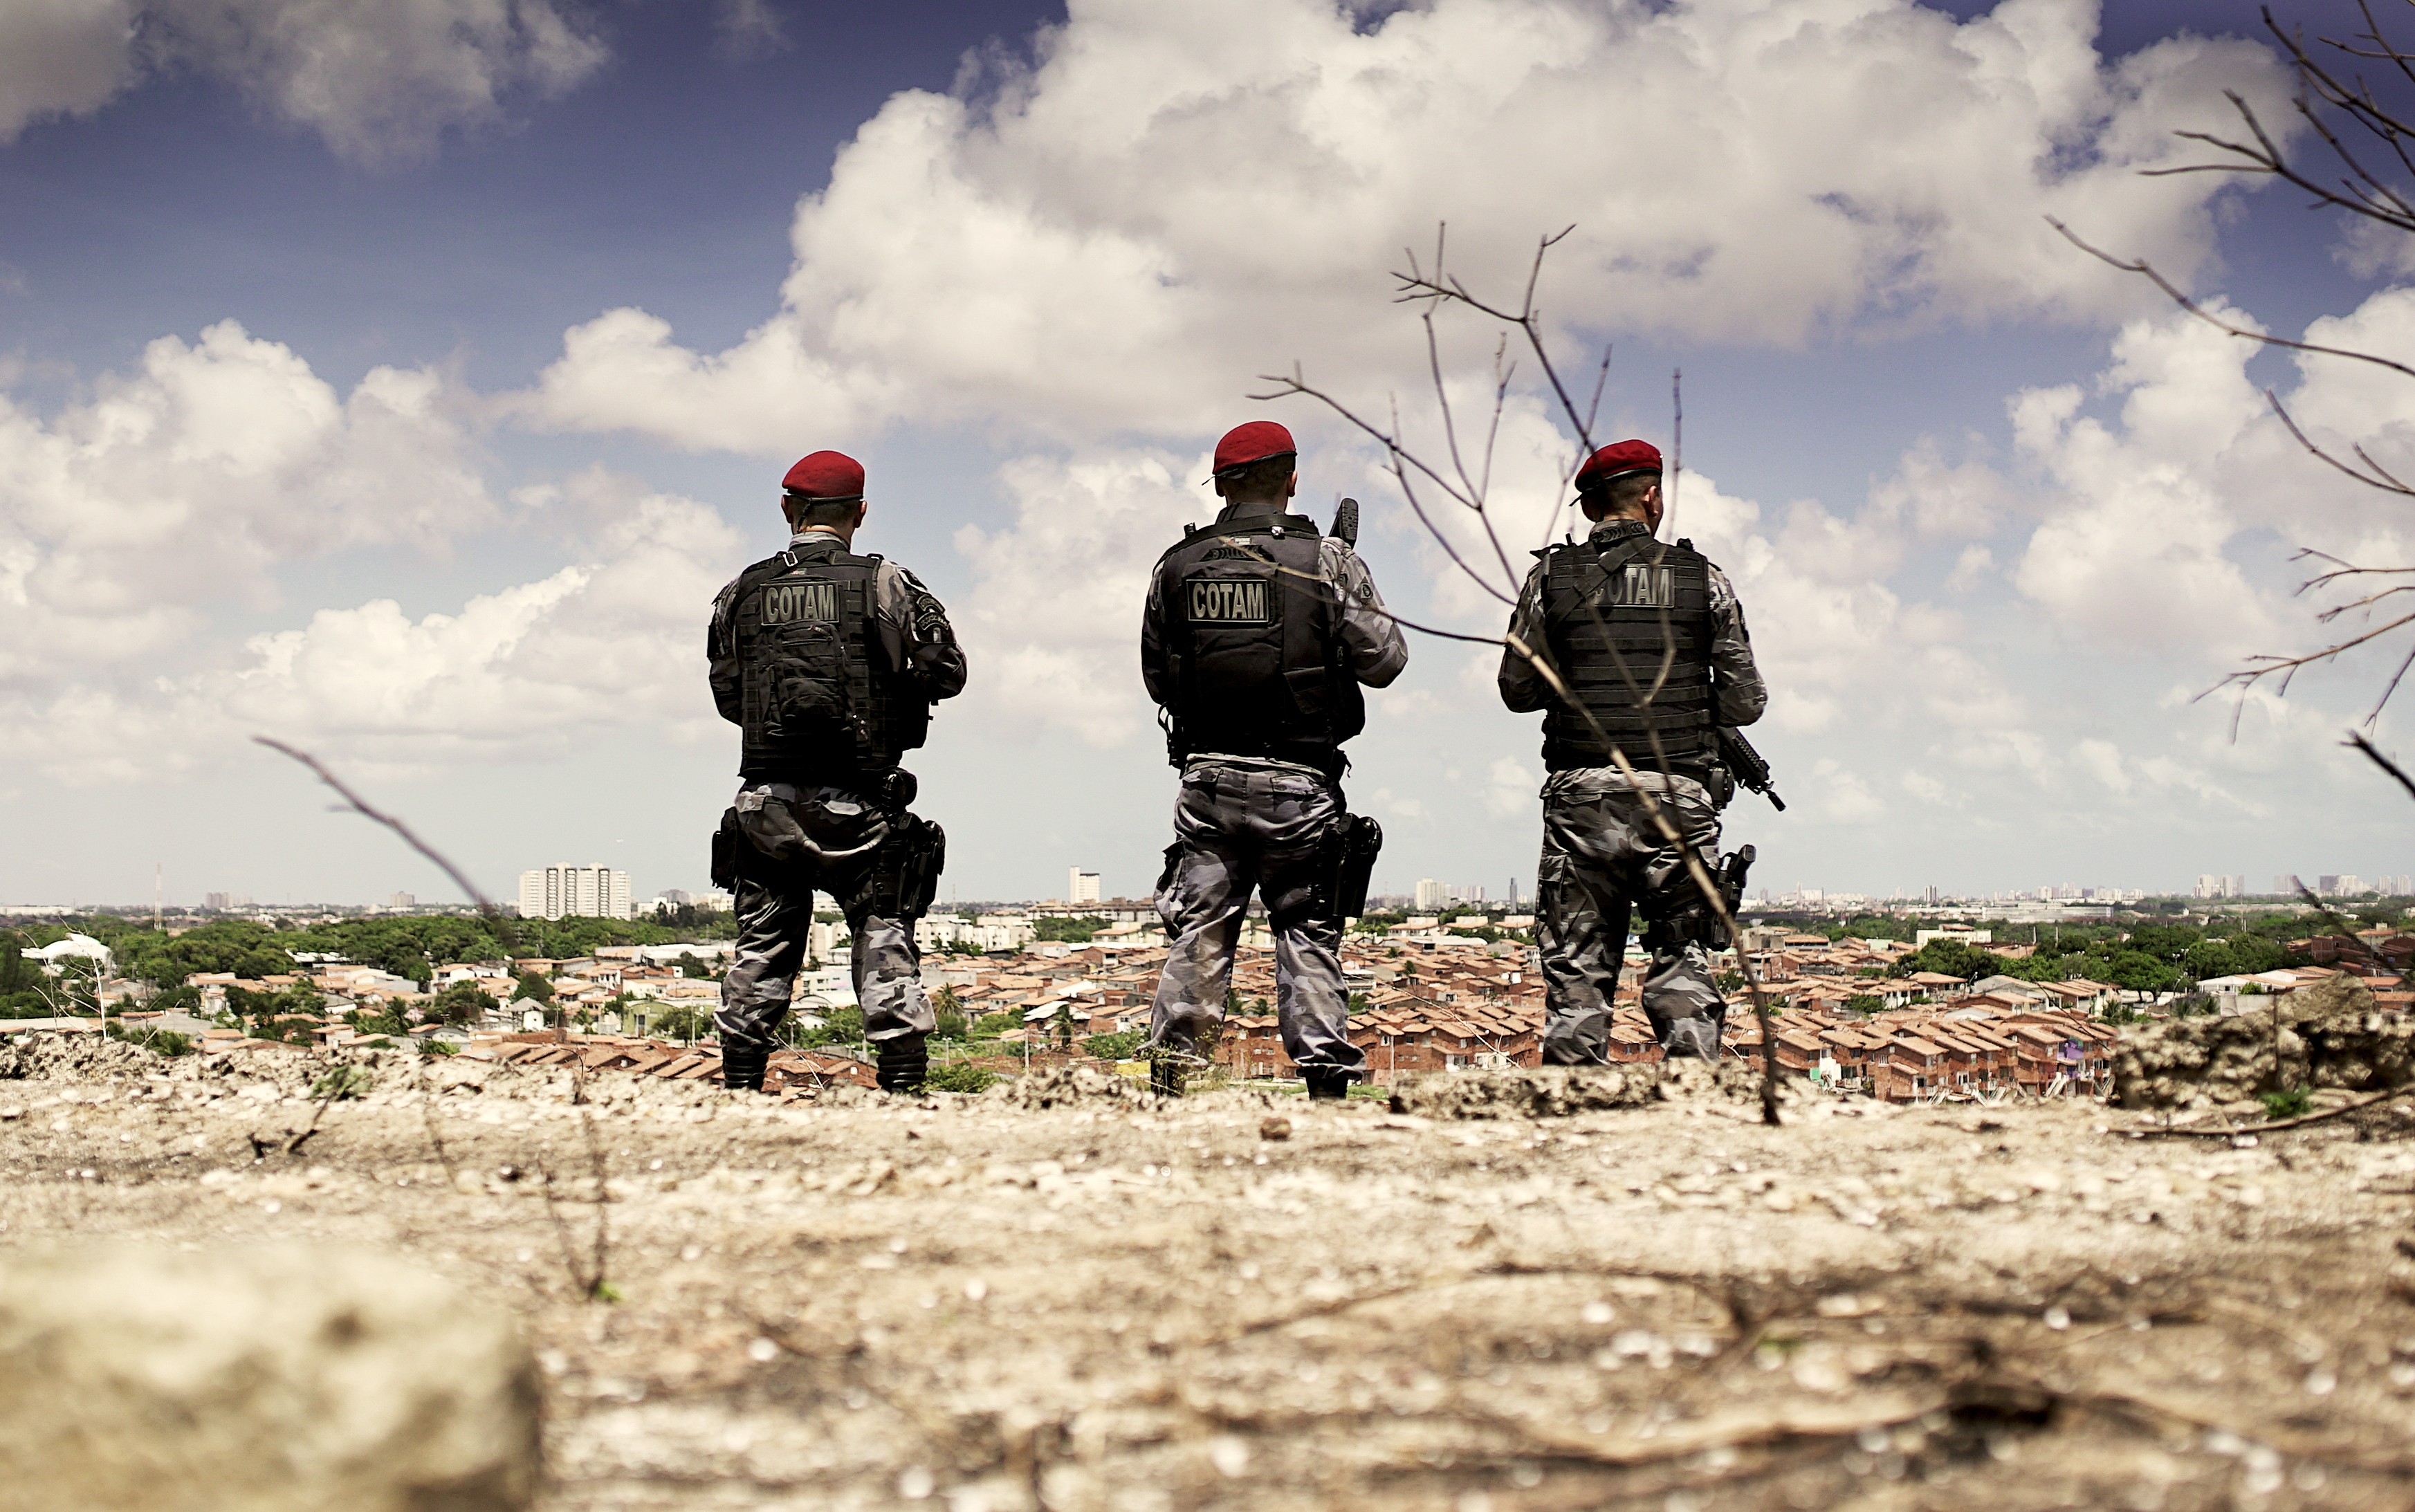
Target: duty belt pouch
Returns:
[[905, 872], [1361, 839], [726, 843]]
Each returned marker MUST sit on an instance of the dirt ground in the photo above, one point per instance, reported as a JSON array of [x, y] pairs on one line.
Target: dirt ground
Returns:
[[1241, 1301]]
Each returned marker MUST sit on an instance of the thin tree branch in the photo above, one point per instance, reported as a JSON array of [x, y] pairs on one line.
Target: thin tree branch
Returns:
[[361, 807]]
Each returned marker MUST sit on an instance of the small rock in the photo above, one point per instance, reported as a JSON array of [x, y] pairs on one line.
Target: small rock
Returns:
[[1275, 1127], [271, 1379]]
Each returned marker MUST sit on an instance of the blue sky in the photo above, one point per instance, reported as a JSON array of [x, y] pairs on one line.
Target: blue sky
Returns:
[[533, 301]]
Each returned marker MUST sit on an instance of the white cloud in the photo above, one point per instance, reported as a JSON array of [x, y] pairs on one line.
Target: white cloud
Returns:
[[1510, 791], [1175, 199], [2102, 761], [747, 29], [380, 81], [60, 57], [187, 483], [1052, 627], [2150, 519], [601, 647]]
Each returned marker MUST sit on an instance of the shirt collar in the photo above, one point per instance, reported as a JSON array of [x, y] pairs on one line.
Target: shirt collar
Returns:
[[813, 533], [1616, 530]]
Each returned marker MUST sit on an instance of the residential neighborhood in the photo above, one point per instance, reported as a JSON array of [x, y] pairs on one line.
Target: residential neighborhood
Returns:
[[1428, 993]]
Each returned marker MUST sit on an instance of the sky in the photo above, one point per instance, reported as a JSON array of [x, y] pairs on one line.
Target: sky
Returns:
[[400, 380]]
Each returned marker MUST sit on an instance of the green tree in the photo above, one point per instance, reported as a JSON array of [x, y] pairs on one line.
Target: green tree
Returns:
[[2140, 972], [840, 1026], [530, 985], [990, 1026], [1954, 958], [960, 1076], [1865, 1004], [1070, 931], [463, 1002], [176, 1000], [682, 1024], [165, 1042], [1117, 1046], [2165, 942], [17, 974]]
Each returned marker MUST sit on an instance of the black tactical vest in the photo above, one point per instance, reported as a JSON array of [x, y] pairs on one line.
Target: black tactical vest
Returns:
[[1253, 635], [822, 705], [1629, 630]]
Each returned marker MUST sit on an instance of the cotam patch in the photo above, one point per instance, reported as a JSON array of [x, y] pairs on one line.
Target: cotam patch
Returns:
[[787, 603], [1642, 588], [1229, 601]]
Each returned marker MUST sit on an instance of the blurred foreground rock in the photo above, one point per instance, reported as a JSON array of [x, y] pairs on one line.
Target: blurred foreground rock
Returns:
[[262, 1379], [1538, 1092], [2325, 1036]]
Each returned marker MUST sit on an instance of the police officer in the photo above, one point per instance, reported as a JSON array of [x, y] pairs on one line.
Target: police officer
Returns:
[[1649, 640], [828, 663], [1258, 633]]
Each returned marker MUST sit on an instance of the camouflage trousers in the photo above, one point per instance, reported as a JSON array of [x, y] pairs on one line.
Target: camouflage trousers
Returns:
[[1604, 858], [1238, 825], [773, 919]]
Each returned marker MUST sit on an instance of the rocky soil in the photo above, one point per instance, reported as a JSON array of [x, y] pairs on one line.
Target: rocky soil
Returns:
[[1067, 1296]]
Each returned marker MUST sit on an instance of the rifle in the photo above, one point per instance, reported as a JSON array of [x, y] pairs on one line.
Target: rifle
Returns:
[[1345, 523], [1745, 764]]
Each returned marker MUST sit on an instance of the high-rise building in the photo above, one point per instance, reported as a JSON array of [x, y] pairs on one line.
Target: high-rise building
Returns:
[[2327, 886], [2287, 883], [564, 890], [401, 900], [1081, 886], [1430, 894], [2348, 885], [226, 900]]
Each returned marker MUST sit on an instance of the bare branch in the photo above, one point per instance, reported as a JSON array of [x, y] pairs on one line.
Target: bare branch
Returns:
[[2381, 480], [2148, 272], [360, 806], [2359, 742]]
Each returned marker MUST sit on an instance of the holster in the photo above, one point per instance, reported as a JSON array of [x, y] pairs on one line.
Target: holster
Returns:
[[1357, 840], [904, 875], [728, 843], [1678, 914]]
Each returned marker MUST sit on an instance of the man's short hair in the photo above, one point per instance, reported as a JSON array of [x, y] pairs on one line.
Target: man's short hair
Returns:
[[803, 512], [1261, 479], [1622, 494]]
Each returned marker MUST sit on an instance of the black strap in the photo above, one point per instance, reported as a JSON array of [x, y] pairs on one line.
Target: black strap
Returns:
[[1247, 525]]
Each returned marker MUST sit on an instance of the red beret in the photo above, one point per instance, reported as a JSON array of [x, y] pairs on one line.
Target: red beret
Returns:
[[1252, 442], [826, 475], [1617, 461]]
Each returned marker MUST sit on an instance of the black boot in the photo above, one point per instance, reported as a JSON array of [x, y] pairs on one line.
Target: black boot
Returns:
[[904, 1062], [1327, 1085], [742, 1065], [1165, 1077]]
